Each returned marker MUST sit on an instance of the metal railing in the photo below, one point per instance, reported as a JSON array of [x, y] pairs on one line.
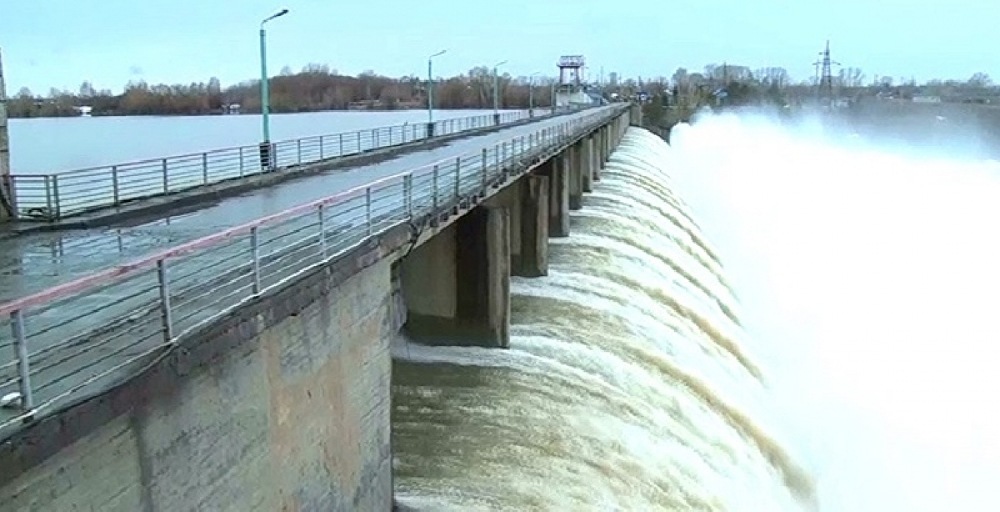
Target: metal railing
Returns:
[[54, 196], [74, 340]]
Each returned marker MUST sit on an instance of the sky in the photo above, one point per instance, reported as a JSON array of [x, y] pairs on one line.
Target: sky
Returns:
[[61, 43]]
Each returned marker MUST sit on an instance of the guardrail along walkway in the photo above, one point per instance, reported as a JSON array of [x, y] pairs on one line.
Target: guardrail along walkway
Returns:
[[75, 340], [58, 195]]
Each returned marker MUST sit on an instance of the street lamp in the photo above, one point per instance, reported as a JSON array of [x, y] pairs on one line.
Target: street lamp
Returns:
[[265, 101], [552, 99], [496, 91], [430, 91], [531, 94]]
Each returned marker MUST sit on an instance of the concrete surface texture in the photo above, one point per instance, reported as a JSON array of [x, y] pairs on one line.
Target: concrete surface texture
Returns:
[[290, 411]]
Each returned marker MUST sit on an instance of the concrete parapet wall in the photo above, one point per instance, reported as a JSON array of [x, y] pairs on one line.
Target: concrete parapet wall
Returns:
[[282, 405]]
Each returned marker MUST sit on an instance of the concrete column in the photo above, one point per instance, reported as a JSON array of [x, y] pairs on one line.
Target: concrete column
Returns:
[[457, 285], [559, 197], [607, 144], [534, 226], [492, 286], [575, 174], [598, 153], [6, 200], [510, 197], [587, 165], [635, 115]]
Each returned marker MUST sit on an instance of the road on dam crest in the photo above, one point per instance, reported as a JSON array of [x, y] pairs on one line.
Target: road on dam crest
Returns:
[[32, 262]]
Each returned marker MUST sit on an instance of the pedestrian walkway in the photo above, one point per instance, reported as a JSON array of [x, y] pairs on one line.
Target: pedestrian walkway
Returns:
[[33, 262]]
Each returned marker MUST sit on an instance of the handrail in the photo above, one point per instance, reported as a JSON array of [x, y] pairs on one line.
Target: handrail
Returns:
[[105, 326], [57, 195], [122, 270]]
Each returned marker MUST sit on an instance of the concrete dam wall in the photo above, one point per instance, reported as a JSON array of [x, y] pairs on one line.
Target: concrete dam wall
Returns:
[[284, 403], [282, 406]]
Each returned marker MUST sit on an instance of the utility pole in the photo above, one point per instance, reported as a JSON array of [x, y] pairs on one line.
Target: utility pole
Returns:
[[6, 201]]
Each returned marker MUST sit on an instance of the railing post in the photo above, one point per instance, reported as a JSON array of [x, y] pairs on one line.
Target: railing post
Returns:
[[408, 195], [368, 209], [241, 162], [359, 140], [166, 312], [434, 186], [340, 144], [115, 186], [484, 163], [204, 168], [458, 178], [322, 230], [49, 208], [375, 141], [255, 259], [298, 150], [23, 366], [55, 196], [321, 153], [166, 180]]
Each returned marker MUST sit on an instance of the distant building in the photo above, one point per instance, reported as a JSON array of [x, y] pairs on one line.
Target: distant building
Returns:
[[926, 99]]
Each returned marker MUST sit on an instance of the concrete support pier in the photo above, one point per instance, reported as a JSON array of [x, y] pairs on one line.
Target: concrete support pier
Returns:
[[599, 144], [587, 165], [635, 115], [534, 220], [575, 174], [457, 285], [559, 197]]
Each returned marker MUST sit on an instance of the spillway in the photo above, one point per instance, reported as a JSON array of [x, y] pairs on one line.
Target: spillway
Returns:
[[629, 383]]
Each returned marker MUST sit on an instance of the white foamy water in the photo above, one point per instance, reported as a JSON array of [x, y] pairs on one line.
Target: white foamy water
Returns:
[[868, 277], [629, 385]]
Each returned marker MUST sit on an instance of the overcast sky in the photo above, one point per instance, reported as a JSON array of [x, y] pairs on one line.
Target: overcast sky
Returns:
[[60, 43]]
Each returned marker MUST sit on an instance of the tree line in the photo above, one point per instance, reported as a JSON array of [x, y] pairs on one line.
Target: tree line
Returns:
[[315, 88], [667, 101]]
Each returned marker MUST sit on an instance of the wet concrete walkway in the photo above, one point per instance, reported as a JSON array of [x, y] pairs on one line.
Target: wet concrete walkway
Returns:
[[33, 262]]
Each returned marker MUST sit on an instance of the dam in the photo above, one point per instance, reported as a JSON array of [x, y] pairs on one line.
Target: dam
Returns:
[[548, 328]]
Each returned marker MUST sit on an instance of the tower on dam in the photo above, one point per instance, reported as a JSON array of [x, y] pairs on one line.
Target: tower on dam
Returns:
[[570, 89]]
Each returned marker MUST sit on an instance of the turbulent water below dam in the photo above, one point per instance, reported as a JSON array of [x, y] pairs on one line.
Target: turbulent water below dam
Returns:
[[762, 316], [627, 385]]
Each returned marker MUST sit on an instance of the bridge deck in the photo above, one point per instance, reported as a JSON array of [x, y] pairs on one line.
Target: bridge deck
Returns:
[[89, 334], [33, 262]]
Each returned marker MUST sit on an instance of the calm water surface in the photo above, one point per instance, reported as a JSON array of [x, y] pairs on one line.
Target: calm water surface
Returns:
[[40, 146]]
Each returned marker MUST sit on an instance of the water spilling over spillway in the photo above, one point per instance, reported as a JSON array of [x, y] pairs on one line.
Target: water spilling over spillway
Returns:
[[629, 384]]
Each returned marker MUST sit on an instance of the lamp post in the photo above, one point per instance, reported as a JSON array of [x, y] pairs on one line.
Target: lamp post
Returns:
[[496, 92], [552, 93], [430, 93], [265, 100], [531, 94]]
